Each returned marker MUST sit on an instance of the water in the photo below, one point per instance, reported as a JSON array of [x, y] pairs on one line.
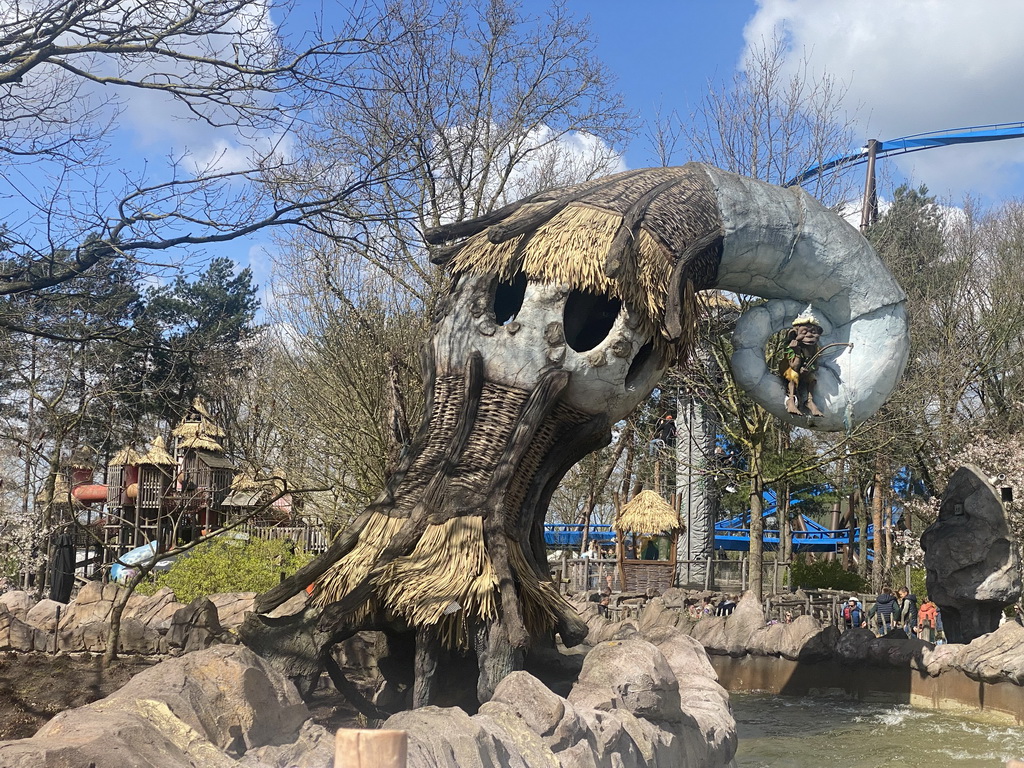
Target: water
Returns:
[[804, 732]]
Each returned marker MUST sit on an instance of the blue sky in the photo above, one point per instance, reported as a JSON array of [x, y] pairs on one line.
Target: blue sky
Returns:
[[907, 67], [664, 53]]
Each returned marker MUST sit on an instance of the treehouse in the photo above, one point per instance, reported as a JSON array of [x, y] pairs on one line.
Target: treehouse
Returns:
[[138, 496], [647, 531], [204, 472]]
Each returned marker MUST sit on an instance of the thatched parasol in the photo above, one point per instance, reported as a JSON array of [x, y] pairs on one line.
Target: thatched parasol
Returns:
[[648, 513]]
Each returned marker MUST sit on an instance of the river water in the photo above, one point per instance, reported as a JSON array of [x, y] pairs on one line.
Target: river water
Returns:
[[795, 732]]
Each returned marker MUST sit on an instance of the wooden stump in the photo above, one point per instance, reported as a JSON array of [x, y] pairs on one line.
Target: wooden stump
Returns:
[[370, 749]]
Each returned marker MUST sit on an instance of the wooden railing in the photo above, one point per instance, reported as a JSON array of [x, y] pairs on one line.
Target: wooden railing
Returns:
[[307, 538], [582, 574]]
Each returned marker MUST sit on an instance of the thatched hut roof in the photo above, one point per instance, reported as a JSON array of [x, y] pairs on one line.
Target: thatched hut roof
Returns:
[[198, 423], [83, 457], [157, 454], [126, 457], [650, 238], [201, 443], [648, 512]]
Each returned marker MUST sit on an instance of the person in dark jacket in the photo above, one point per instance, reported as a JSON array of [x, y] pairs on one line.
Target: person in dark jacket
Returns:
[[907, 614], [726, 606], [885, 608]]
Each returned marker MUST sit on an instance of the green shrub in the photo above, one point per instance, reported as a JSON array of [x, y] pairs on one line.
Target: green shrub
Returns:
[[825, 574], [917, 583], [228, 565]]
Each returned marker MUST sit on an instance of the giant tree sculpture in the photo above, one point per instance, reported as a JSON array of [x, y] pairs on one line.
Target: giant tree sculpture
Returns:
[[564, 311]]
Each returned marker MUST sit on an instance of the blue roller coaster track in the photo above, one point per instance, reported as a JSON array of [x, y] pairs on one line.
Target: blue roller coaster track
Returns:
[[732, 535], [913, 143]]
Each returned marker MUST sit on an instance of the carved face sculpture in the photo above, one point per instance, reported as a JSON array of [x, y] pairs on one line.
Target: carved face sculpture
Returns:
[[807, 335]]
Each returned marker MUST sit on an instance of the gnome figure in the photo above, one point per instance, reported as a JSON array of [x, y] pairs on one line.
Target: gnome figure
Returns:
[[799, 363]]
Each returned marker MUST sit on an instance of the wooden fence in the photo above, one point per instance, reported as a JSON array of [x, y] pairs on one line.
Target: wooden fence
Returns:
[[583, 574], [307, 538]]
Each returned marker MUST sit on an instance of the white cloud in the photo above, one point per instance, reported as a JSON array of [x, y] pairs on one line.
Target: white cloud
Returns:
[[916, 66]]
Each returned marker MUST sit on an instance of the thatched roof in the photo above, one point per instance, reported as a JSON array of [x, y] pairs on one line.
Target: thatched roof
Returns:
[[201, 443], [126, 457], [157, 454], [198, 423], [648, 512], [650, 238], [83, 457]]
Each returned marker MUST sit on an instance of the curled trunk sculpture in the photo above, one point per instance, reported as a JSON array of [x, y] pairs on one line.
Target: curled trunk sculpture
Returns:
[[565, 309]]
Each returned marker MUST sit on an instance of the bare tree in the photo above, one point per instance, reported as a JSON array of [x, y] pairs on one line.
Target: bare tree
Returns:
[[771, 121], [472, 106], [218, 74]]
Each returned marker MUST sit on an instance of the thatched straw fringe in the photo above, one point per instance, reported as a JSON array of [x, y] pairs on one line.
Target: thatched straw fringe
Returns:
[[449, 570], [126, 456], [647, 512], [201, 427], [538, 597], [345, 574], [158, 454], [571, 249], [201, 443]]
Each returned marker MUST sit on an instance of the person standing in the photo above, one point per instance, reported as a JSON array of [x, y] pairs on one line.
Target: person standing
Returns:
[[907, 613], [853, 615], [726, 606], [927, 616], [885, 607]]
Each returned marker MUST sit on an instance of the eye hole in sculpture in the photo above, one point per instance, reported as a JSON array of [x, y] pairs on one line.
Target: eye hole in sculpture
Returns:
[[508, 298], [638, 366], [588, 319]]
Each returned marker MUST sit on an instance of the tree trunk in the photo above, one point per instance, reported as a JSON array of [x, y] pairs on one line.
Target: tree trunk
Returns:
[[857, 507], [876, 519], [453, 549], [889, 543], [785, 525], [756, 524], [117, 611]]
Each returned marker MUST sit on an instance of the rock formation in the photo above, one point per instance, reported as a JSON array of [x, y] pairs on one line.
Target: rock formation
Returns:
[[225, 706], [971, 558], [635, 704]]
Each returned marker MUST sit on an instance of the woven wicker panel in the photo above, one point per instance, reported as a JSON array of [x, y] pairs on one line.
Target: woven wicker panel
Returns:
[[559, 422], [444, 419], [641, 575], [497, 417]]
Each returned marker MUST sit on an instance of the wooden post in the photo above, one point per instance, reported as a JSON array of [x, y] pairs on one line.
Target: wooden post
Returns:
[[743, 573], [869, 208], [775, 575], [355, 748]]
